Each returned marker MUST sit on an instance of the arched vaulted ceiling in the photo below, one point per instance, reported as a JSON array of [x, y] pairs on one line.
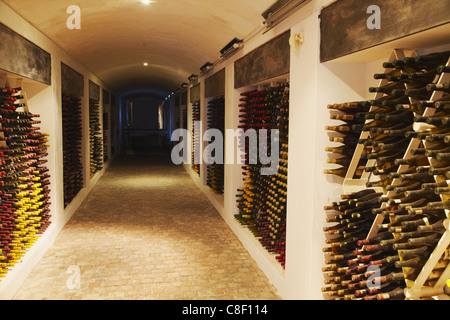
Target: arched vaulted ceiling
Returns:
[[175, 37]]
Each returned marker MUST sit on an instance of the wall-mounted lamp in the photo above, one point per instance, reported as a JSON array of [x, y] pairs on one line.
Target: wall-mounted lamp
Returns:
[[296, 40]]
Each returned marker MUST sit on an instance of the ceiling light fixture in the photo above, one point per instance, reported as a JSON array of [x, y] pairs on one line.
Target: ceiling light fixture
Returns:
[[279, 12], [145, 64], [231, 48], [206, 68], [146, 2], [193, 78]]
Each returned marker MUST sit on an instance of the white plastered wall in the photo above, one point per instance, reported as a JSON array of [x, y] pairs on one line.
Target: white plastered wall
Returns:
[[313, 86], [46, 101]]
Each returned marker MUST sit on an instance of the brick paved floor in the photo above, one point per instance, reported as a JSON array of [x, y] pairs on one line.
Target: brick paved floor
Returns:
[[146, 232]]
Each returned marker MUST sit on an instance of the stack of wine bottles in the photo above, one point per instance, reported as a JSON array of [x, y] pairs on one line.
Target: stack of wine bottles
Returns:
[[105, 136], [351, 117], [262, 200], [95, 137], [113, 126], [185, 119], [277, 190], [196, 136], [72, 140], [361, 267], [408, 141], [357, 268], [216, 120], [24, 183]]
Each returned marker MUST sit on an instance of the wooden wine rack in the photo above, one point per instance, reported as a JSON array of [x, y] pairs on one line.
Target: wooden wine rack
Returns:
[[352, 184], [414, 289]]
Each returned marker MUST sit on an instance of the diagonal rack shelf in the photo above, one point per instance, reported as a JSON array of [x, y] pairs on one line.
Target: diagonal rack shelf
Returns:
[[352, 184], [396, 55], [414, 289]]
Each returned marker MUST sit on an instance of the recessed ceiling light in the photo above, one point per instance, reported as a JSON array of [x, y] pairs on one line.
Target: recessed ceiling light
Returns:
[[145, 64], [146, 1]]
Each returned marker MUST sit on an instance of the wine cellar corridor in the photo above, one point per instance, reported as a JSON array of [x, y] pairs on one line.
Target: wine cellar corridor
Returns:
[[271, 150], [146, 232]]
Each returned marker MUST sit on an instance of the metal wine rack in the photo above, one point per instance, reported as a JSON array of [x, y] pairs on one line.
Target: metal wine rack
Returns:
[[25, 213], [414, 289], [196, 144], [72, 142], [106, 121], [95, 137], [262, 200], [216, 120]]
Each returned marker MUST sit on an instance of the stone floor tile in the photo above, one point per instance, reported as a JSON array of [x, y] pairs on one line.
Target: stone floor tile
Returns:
[[146, 232]]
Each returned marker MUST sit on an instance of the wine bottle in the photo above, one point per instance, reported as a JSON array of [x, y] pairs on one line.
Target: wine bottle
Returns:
[[427, 76], [388, 88], [358, 194], [443, 69], [347, 140], [416, 94], [396, 294], [412, 161], [394, 72], [427, 62], [439, 87], [357, 106], [344, 161], [400, 65]]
